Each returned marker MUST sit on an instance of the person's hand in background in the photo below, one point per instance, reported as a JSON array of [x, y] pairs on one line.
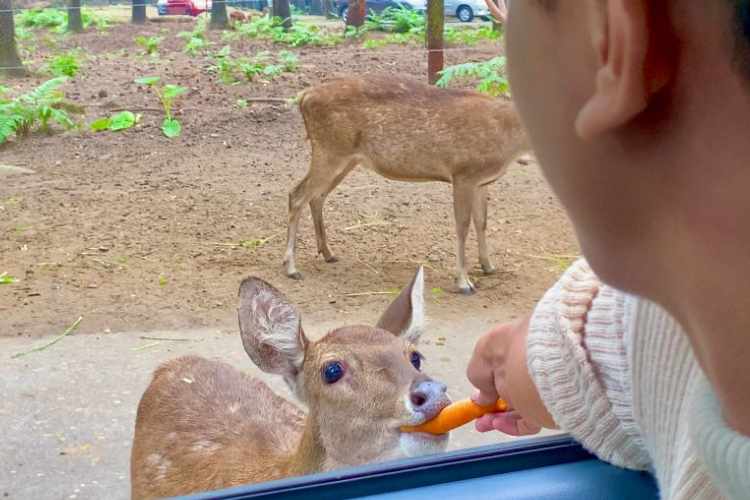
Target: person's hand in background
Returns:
[[498, 370]]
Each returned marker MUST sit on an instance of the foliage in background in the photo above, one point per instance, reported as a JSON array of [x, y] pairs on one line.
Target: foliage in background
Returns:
[[196, 41], [491, 76], [119, 121], [34, 110], [57, 19], [397, 20], [299, 35], [66, 64], [167, 93], [261, 65]]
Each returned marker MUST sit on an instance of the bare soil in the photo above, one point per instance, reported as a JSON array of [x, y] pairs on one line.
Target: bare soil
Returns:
[[132, 230]]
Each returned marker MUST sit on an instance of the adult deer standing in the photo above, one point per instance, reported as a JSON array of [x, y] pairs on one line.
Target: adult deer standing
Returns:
[[408, 131], [203, 425]]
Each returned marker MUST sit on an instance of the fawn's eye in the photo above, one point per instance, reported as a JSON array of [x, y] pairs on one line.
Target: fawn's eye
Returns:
[[332, 372], [416, 359]]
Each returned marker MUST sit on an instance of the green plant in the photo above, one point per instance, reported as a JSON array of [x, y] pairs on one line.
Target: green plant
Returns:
[[150, 44], [195, 41], [491, 75], [6, 279], [396, 19], [300, 34], [120, 121], [34, 109], [167, 94], [469, 36], [262, 65], [65, 65], [224, 65], [289, 61], [241, 103], [57, 19]]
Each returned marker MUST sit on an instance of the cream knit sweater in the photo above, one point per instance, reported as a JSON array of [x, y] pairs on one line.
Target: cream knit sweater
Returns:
[[618, 374]]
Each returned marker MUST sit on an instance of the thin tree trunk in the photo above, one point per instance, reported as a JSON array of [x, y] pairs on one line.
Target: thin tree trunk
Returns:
[[10, 63], [219, 20], [281, 9], [139, 12], [75, 23], [435, 28]]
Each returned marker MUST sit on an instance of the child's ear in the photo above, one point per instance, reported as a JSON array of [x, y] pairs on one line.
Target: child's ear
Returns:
[[632, 66]]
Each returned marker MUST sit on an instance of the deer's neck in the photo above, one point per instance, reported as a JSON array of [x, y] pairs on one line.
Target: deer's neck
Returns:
[[310, 456]]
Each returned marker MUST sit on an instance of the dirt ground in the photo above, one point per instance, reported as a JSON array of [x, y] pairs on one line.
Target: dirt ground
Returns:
[[133, 230]]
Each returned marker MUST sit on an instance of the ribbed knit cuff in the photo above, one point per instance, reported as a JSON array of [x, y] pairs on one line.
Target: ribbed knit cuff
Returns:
[[561, 368], [724, 452]]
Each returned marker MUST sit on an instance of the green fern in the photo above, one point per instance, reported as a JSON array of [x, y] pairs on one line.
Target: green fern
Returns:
[[491, 76], [37, 108]]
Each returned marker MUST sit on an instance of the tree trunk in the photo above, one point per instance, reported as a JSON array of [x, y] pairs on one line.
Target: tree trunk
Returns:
[[281, 9], [10, 63], [357, 13], [139, 12], [435, 27], [75, 23], [219, 20]]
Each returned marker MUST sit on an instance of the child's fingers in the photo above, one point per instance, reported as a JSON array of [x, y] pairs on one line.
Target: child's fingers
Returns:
[[484, 398], [511, 423]]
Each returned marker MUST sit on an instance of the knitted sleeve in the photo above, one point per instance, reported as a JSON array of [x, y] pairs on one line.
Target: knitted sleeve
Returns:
[[577, 357]]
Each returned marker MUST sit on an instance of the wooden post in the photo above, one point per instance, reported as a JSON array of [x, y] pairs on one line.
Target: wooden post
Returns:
[[435, 27]]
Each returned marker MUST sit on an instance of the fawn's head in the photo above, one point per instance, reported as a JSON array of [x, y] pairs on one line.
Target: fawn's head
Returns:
[[360, 383]]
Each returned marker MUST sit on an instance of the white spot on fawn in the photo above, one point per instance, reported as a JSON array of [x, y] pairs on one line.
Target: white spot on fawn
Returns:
[[234, 407], [187, 380]]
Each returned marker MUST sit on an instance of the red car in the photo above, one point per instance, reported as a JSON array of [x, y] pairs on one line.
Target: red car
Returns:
[[182, 7]]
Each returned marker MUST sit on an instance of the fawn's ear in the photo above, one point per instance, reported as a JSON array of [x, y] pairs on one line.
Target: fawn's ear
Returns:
[[405, 316], [270, 328]]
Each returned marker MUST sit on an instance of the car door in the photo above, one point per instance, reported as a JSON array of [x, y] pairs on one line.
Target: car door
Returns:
[[450, 7]]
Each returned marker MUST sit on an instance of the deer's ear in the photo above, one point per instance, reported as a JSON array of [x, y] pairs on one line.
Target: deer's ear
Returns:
[[405, 316], [270, 328]]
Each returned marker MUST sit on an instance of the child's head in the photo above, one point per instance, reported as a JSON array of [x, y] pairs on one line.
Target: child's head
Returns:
[[638, 113]]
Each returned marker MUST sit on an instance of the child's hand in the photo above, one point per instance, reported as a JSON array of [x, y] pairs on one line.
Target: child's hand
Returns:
[[498, 369]]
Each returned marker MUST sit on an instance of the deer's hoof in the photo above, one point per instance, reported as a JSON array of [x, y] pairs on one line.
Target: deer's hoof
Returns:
[[296, 275], [489, 269], [466, 288], [331, 259]]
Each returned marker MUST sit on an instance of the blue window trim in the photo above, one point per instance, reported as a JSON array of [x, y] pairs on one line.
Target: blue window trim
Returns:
[[385, 477]]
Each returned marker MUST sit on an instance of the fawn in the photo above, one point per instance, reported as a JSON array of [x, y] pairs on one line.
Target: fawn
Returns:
[[408, 131], [204, 425]]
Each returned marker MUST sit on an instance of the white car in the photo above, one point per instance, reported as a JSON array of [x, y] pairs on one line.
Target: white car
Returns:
[[466, 10]]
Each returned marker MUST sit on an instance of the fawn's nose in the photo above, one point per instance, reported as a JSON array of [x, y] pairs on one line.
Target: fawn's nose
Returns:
[[428, 396]]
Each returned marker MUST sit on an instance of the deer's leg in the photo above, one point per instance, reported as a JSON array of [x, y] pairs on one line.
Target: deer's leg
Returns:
[[297, 199], [464, 194], [480, 226], [319, 180], [316, 207]]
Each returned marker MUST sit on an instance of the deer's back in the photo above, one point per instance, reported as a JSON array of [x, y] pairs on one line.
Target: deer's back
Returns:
[[203, 425], [393, 122]]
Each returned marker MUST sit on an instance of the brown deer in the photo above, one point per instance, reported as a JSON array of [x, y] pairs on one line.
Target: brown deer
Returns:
[[203, 425], [409, 131]]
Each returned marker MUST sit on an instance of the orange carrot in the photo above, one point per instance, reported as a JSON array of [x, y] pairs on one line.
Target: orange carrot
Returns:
[[455, 415]]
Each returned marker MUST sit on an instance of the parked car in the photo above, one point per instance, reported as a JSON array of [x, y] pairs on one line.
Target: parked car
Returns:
[[466, 10], [378, 6], [182, 7]]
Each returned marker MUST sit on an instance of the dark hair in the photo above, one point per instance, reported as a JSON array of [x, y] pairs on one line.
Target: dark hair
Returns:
[[741, 30]]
